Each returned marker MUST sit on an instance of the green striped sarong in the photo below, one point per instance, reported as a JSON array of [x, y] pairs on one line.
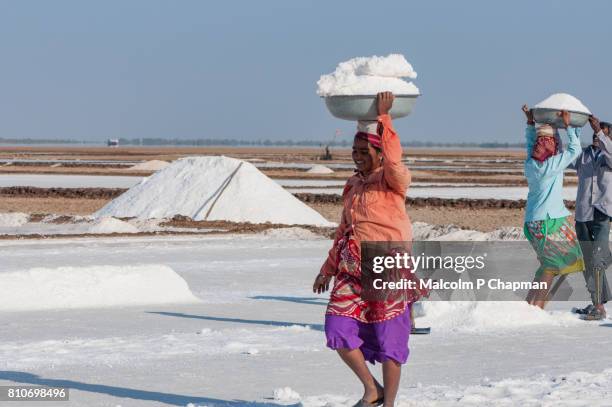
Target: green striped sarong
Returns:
[[556, 244]]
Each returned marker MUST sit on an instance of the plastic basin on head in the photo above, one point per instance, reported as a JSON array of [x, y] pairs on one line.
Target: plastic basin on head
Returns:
[[550, 116], [364, 107]]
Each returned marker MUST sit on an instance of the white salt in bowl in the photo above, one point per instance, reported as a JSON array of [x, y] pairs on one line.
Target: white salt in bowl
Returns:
[[551, 116], [363, 107]]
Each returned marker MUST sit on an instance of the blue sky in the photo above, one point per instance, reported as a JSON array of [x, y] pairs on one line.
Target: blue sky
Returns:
[[247, 69]]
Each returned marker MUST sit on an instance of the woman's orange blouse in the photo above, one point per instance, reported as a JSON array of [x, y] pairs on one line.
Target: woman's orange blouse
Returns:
[[374, 206]]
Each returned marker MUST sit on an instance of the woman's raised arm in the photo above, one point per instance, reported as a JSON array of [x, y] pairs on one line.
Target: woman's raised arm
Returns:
[[395, 173]]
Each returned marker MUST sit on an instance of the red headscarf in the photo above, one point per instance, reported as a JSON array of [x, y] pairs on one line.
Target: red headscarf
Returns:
[[544, 147], [374, 139]]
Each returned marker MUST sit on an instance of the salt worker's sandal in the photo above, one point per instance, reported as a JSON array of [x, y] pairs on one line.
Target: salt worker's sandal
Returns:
[[583, 311], [594, 315], [375, 403]]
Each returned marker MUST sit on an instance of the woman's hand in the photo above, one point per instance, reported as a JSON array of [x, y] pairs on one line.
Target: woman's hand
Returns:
[[321, 284], [384, 102], [565, 115], [529, 114], [594, 122]]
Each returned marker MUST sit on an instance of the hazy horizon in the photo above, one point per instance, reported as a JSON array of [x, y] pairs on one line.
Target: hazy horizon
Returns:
[[248, 70]]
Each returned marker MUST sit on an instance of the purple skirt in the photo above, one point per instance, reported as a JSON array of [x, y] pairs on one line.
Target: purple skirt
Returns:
[[378, 341]]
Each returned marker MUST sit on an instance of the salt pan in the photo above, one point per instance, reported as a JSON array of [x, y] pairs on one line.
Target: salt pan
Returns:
[[368, 76], [563, 101]]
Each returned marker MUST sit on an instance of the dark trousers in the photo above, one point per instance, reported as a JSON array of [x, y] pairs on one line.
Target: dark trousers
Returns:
[[595, 244]]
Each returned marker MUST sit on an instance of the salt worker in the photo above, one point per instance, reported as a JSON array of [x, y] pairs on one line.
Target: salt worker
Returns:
[[547, 225], [374, 210], [593, 215]]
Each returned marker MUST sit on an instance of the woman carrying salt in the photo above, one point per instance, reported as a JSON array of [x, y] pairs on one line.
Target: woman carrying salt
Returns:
[[547, 225], [358, 328]]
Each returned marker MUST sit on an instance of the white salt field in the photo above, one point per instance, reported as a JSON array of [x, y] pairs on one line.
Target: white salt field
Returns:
[[45, 161], [462, 165], [145, 351], [68, 181], [117, 181], [510, 193]]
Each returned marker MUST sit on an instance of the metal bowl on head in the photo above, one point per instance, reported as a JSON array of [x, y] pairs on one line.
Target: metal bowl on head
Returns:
[[551, 116], [363, 107]]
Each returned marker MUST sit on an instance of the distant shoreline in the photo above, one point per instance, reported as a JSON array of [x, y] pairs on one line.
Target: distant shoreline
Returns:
[[242, 143]]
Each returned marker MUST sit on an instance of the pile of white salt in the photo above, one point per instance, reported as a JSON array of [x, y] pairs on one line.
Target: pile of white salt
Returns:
[[212, 188], [368, 76], [563, 101], [320, 169]]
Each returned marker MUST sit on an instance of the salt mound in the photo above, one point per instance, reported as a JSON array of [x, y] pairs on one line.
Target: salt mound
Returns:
[[487, 316], [563, 101], [91, 287], [111, 225], [507, 233], [368, 76], [463, 236], [320, 169], [212, 188], [286, 395], [13, 219], [425, 231], [153, 165]]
